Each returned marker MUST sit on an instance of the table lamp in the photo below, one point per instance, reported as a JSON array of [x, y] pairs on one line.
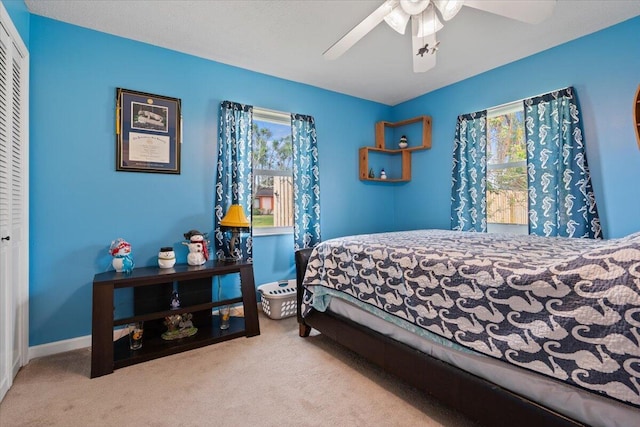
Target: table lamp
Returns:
[[235, 221]]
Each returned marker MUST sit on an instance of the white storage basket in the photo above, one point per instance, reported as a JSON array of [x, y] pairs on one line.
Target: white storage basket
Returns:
[[279, 298]]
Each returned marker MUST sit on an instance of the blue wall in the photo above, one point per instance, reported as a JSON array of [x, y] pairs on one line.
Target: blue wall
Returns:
[[79, 203], [604, 68]]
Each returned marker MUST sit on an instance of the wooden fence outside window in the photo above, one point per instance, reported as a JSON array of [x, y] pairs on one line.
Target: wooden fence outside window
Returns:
[[507, 207], [283, 201]]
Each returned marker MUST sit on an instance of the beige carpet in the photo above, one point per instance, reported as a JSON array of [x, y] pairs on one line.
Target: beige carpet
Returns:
[[275, 379]]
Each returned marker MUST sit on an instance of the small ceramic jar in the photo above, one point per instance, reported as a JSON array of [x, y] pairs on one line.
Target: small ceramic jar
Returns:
[[166, 257]]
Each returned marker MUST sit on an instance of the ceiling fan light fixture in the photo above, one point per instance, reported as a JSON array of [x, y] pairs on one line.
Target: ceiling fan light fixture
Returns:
[[448, 8], [414, 7], [397, 19], [428, 23]]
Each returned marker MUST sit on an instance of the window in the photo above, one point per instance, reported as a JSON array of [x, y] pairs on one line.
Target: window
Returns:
[[507, 170], [272, 209]]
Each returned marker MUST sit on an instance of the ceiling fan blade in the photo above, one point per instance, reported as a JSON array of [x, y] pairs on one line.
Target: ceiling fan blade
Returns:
[[529, 11], [427, 60], [359, 31]]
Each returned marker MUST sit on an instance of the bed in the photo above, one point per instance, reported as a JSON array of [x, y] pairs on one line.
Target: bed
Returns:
[[499, 327]]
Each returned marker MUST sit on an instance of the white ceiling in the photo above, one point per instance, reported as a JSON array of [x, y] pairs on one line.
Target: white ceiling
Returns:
[[287, 38]]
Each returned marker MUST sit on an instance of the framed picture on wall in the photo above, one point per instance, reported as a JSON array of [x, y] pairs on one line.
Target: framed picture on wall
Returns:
[[148, 132]]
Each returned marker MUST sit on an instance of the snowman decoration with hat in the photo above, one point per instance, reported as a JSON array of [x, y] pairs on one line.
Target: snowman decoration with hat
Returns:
[[120, 249], [197, 244]]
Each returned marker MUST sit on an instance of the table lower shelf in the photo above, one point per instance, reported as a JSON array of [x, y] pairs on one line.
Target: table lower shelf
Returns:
[[154, 347]]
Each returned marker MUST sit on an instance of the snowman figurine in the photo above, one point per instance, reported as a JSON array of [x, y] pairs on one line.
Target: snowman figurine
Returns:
[[120, 249], [198, 252], [166, 257]]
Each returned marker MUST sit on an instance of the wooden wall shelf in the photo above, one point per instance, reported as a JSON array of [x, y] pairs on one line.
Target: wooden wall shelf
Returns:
[[404, 153]]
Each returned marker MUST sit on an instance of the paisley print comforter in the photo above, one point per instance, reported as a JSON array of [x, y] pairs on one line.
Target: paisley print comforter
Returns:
[[565, 308]]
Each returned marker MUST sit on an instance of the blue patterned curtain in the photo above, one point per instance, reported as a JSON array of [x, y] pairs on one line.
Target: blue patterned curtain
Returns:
[[306, 182], [234, 171], [468, 191], [561, 199]]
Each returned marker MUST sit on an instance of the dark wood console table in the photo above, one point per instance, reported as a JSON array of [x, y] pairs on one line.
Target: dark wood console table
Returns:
[[152, 288]]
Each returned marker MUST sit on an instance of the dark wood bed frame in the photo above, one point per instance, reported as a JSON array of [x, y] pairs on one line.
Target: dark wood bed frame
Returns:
[[478, 399]]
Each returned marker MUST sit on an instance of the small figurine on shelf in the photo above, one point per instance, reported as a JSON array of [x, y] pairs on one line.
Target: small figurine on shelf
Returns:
[[120, 249], [175, 300], [178, 326], [186, 322], [166, 257], [172, 322], [197, 243], [383, 174], [371, 174], [403, 142]]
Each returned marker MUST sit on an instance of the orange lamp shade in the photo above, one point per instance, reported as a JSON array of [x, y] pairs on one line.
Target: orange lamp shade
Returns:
[[235, 218]]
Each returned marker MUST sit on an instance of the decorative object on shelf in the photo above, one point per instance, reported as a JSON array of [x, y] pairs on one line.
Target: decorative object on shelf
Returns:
[[383, 174], [148, 132], [178, 326], [198, 251], [225, 313], [371, 173], [403, 142], [234, 221], [120, 249], [166, 257], [175, 300], [136, 329]]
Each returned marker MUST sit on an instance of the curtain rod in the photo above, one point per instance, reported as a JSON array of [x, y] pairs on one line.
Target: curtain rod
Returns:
[[271, 114], [506, 104]]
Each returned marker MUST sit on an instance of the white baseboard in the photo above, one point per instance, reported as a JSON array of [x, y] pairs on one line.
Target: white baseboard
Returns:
[[59, 347], [4, 387]]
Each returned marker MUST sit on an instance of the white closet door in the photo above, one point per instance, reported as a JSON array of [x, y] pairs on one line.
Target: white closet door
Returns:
[[6, 350], [19, 209], [14, 280]]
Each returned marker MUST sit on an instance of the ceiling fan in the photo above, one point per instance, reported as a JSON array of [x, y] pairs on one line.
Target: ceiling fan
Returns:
[[426, 20]]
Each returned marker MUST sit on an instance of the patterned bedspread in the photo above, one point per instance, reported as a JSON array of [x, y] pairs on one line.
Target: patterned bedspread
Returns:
[[565, 308]]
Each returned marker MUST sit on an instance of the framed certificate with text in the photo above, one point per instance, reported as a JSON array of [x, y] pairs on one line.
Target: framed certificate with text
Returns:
[[148, 132]]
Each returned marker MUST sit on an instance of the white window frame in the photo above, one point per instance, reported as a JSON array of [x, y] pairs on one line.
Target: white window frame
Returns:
[[281, 118]]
